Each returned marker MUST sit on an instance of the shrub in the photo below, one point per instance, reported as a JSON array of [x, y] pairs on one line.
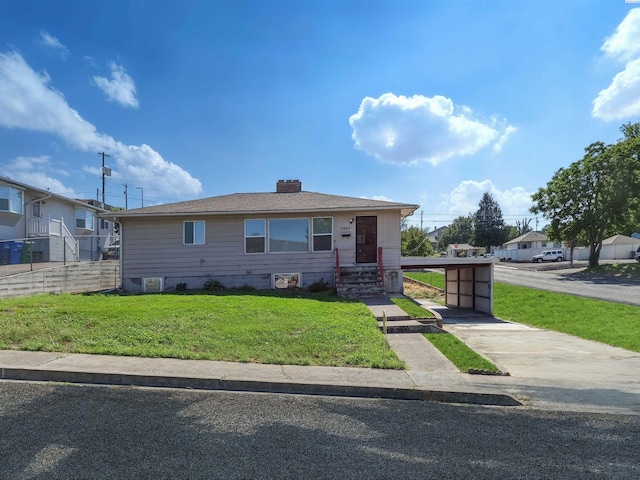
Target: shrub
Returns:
[[319, 286], [181, 286], [213, 285]]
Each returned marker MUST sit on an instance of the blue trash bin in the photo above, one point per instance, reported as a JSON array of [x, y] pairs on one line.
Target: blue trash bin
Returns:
[[15, 253]]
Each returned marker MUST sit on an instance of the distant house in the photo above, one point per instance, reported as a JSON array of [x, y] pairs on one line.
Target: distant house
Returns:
[[619, 247], [279, 239], [524, 247], [40, 226], [463, 250]]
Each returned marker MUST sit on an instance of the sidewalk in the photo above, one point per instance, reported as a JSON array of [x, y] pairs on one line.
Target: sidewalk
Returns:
[[548, 370]]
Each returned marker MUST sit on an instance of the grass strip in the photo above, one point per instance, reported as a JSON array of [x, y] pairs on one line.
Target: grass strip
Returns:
[[411, 308], [612, 323], [459, 353], [258, 327], [434, 279]]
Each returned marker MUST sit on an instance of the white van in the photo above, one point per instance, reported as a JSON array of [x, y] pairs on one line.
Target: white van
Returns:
[[549, 256]]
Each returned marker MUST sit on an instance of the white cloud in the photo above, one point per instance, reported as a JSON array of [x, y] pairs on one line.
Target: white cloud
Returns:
[[465, 197], [53, 42], [28, 102], [407, 130], [621, 99], [121, 88], [36, 171], [508, 131], [624, 44]]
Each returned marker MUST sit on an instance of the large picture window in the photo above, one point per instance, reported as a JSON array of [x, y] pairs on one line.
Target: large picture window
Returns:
[[322, 234], [194, 233], [11, 200], [254, 236], [289, 235], [84, 219]]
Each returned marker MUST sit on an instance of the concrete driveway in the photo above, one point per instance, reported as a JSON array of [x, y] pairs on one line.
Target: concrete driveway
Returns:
[[553, 368]]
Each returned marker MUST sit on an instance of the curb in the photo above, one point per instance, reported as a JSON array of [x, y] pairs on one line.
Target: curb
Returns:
[[474, 398]]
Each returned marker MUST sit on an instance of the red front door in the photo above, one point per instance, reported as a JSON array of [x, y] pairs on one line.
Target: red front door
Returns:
[[367, 239]]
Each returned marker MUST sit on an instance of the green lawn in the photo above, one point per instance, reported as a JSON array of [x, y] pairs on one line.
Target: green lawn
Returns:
[[411, 308], [459, 353], [260, 327], [611, 323], [434, 279]]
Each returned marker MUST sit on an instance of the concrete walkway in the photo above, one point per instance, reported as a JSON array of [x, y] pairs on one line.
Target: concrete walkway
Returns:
[[548, 370]]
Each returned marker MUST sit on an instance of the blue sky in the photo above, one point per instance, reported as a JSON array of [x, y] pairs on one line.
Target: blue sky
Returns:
[[431, 103]]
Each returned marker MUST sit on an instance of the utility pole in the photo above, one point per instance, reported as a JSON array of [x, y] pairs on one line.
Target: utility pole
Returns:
[[421, 212], [126, 200], [105, 171]]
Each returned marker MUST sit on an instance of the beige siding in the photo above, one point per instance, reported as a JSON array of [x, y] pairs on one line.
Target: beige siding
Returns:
[[153, 247]]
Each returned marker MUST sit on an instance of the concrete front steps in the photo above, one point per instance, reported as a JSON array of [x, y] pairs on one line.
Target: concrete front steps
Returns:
[[359, 281], [412, 325]]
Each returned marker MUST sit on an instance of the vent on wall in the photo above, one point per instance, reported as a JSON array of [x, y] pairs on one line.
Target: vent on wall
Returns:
[[286, 280], [152, 285]]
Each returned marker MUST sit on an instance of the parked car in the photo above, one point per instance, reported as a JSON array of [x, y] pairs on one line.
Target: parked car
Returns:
[[549, 256], [637, 255]]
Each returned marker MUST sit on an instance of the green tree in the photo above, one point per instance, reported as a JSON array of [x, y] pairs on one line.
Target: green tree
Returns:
[[415, 242], [489, 227], [514, 232], [460, 231], [595, 195]]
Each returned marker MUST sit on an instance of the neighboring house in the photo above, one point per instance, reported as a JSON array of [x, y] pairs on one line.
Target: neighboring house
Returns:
[[524, 247], [40, 226], [619, 247], [463, 250], [264, 240]]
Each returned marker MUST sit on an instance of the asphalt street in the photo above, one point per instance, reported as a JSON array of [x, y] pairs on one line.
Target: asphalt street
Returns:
[[58, 431], [561, 278]]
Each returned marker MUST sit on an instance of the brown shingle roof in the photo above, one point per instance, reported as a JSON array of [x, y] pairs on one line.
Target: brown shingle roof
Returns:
[[257, 203]]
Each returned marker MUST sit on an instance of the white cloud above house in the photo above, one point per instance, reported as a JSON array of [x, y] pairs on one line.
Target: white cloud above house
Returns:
[[466, 196], [120, 88], [37, 172], [621, 99], [28, 102], [407, 130], [52, 42]]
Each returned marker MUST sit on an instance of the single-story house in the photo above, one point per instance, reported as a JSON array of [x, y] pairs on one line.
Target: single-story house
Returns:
[[463, 250], [41, 226], [524, 247], [619, 247], [279, 239]]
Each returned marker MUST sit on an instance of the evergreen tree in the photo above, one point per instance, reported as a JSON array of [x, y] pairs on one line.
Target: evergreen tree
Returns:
[[489, 227]]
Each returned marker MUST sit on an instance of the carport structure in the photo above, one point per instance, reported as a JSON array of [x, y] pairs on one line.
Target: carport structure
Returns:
[[468, 281]]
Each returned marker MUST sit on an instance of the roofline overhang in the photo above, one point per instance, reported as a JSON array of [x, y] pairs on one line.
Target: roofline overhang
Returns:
[[404, 211]]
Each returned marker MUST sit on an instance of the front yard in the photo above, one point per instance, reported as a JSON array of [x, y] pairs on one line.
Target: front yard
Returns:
[[260, 327]]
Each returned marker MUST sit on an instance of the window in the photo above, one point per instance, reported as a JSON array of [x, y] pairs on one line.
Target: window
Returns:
[[194, 233], [84, 219], [11, 199], [36, 210], [254, 236], [289, 235], [322, 234]]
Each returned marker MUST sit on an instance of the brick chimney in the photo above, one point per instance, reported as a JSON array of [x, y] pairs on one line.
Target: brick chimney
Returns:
[[288, 186]]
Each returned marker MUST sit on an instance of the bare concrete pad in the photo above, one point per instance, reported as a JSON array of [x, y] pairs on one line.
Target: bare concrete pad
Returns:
[[535, 353]]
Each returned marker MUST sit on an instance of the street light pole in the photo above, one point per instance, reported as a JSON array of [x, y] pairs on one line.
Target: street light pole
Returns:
[[141, 194], [126, 198]]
